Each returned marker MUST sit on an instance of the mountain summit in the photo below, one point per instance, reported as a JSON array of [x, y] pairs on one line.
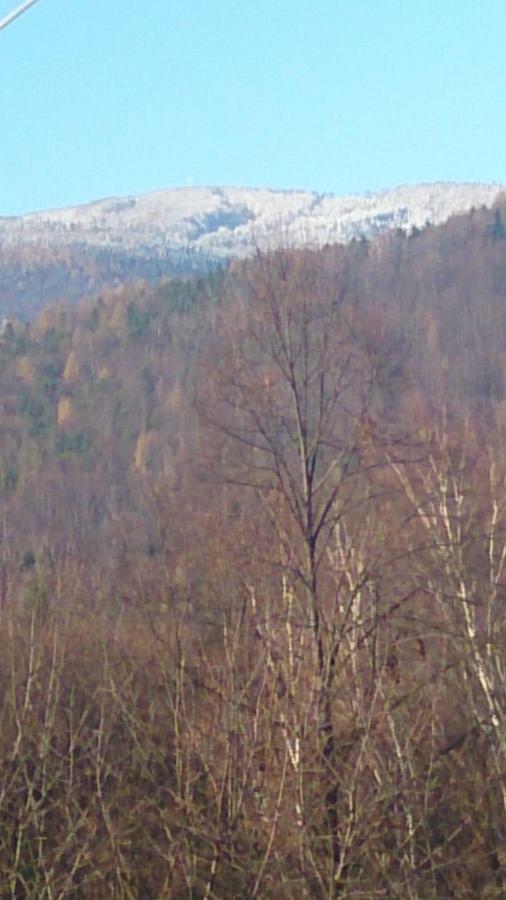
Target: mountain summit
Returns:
[[220, 223]]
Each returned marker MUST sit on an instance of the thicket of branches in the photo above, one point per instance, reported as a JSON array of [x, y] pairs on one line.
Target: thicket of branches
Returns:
[[252, 592]]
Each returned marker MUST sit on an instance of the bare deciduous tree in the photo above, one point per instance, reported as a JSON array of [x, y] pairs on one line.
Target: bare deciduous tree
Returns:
[[295, 393]]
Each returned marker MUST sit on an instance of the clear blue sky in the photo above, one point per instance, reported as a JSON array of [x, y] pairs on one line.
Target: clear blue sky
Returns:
[[102, 97]]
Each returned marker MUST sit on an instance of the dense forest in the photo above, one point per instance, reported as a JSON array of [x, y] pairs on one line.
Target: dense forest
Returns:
[[32, 276], [252, 586]]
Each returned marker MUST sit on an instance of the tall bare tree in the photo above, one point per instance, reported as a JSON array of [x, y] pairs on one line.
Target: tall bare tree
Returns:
[[295, 391]]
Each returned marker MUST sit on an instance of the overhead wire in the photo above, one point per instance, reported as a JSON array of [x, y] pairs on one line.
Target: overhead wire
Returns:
[[10, 17]]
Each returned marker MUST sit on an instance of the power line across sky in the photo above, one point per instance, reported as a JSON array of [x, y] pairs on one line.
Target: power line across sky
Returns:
[[18, 11]]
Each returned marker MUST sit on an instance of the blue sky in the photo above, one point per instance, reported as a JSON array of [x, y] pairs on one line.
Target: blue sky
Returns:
[[102, 97]]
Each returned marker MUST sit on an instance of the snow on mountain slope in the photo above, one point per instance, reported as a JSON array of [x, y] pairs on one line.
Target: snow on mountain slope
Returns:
[[231, 222]]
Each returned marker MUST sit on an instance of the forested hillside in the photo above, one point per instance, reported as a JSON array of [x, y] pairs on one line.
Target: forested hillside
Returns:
[[32, 276], [67, 253], [252, 579]]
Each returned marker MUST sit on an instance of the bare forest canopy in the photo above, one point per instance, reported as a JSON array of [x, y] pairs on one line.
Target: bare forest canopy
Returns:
[[252, 582], [32, 276]]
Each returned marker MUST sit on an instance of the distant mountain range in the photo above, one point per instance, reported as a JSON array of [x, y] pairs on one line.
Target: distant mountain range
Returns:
[[187, 229], [231, 222]]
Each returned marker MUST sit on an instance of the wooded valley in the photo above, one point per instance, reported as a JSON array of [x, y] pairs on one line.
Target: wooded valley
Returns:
[[253, 579]]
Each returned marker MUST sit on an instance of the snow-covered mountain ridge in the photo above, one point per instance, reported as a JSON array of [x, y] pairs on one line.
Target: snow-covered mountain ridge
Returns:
[[221, 223]]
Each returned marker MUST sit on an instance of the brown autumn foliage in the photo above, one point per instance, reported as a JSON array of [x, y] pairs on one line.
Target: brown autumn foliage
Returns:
[[252, 592]]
